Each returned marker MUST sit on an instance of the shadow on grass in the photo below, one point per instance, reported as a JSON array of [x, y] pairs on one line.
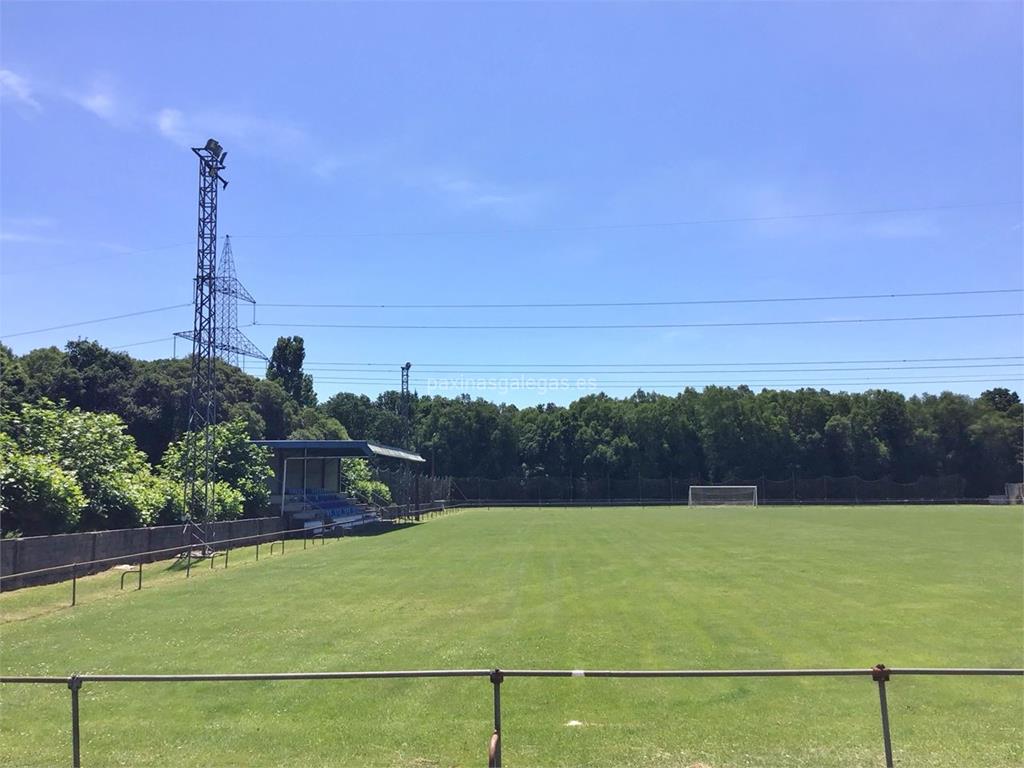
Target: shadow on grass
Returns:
[[376, 529]]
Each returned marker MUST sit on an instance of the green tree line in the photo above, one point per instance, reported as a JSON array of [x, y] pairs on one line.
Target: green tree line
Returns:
[[718, 434]]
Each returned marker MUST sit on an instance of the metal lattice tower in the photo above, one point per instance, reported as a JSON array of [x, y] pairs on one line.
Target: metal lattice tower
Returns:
[[403, 399], [232, 344], [202, 401], [214, 334]]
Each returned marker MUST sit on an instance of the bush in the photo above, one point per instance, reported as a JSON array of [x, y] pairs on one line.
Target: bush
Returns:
[[36, 495], [60, 448], [357, 477], [241, 475]]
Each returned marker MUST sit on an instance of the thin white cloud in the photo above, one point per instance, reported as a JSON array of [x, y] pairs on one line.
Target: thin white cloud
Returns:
[[100, 103], [902, 227], [17, 88], [784, 214], [27, 229], [468, 192], [40, 230], [266, 136], [29, 222], [281, 140], [170, 124], [102, 99], [9, 236], [328, 165]]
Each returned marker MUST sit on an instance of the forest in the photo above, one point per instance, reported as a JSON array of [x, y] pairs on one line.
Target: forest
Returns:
[[716, 434]]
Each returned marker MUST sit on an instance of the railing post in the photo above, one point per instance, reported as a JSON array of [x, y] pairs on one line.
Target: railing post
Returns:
[[881, 675], [494, 753], [75, 685]]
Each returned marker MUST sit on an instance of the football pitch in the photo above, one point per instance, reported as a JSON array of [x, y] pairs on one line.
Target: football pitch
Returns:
[[554, 588]]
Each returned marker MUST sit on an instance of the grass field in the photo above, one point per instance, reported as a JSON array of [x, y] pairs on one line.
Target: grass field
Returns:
[[553, 588]]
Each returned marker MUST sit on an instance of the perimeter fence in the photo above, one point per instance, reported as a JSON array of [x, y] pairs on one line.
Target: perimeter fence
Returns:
[[413, 489], [675, 490], [879, 674], [188, 554]]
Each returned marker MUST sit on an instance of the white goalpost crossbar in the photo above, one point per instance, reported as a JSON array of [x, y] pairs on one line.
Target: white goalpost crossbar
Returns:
[[723, 495]]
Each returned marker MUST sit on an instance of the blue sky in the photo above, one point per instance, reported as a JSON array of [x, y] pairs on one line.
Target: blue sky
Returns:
[[527, 153]]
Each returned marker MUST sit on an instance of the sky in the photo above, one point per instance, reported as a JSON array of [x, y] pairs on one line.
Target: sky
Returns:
[[510, 154]]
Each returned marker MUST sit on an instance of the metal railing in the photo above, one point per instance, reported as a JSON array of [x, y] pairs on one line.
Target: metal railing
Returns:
[[879, 674], [186, 552]]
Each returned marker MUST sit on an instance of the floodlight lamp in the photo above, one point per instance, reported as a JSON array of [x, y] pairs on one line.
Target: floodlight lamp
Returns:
[[213, 147]]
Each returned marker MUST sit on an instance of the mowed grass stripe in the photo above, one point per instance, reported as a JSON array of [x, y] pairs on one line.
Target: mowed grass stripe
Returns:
[[567, 588]]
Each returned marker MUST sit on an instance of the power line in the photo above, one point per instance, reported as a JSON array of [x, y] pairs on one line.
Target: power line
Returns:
[[637, 326], [144, 343], [474, 383], [49, 266], [690, 376], [680, 303], [635, 225], [689, 365], [528, 230], [96, 320], [634, 371]]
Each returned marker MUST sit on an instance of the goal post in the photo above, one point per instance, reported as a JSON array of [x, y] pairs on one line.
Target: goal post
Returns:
[[723, 496], [1015, 493]]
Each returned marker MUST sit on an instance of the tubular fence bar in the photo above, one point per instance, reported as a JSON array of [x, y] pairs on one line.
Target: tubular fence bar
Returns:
[[182, 549], [131, 571], [494, 752], [75, 685], [880, 674]]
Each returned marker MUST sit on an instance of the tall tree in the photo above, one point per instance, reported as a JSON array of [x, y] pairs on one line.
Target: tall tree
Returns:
[[285, 367]]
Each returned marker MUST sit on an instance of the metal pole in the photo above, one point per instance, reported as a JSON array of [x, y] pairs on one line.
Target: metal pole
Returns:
[[188, 562], [284, 483], [496, 678], [75, 684], [74, 583], [880, 675], [140, 575], [226, 553]]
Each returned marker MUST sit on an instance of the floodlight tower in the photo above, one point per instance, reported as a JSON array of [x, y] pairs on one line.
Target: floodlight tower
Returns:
[[202, 401], [403, 400]]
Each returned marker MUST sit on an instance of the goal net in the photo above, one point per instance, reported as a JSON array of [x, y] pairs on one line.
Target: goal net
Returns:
[[1015, 493], [723, 495]]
